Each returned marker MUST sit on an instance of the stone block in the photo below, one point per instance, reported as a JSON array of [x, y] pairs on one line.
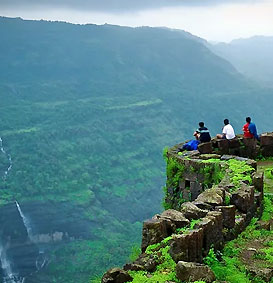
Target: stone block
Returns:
[[234, 143], [148, 262], [202, 205], [240, 224], [243, 198], [188, 246], [266, 139], [258, 197], [116, 275], [195, 190], [258, 181], [192, 271], [212, 227], [153, 232], [217, 228], [228, 215], [205, 148], [213, 196], [175, 217], [191, 211], [223, 145]]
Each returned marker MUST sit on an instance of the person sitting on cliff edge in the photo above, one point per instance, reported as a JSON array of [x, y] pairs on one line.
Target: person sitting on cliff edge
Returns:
[[228, 131], [250, 130], [202, 133]]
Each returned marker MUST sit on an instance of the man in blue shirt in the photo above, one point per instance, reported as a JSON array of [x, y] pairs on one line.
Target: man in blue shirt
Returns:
[[252, 128]]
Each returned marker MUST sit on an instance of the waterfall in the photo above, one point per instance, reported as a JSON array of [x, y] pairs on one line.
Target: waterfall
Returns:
[[41, 260], [9, 275], [8, 157], [25, 221]]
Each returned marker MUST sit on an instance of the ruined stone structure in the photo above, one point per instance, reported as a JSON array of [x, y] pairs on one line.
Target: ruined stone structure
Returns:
[[211, 195]]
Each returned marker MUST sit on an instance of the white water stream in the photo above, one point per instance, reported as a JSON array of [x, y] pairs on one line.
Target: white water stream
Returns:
[[8, 157], [9, 275], [41, 260]]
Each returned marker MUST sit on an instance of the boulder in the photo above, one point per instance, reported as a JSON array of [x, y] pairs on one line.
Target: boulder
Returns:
[[228, 215], [205, 148], [176, 217], [191, 211], [116, 275], [192, 271], [213, 196], [154, 231], [243, 198]]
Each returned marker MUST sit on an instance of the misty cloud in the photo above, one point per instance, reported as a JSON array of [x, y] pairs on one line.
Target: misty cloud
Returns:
[[113, 6]]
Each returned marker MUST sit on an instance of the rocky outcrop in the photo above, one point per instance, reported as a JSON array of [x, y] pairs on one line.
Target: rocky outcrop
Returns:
[[204, 214]]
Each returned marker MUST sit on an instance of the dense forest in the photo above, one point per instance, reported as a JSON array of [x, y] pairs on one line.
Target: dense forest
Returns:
[[86, 111]]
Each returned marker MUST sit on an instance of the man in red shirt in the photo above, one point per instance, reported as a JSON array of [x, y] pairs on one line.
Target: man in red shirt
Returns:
[[246, 131]]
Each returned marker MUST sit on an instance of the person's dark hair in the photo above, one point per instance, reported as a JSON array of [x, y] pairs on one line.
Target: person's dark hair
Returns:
[[226, 121], [248, 119], [201, 124]]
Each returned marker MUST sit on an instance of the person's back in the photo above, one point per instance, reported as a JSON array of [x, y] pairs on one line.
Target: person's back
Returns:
[[253, 130], [228, 131], [204, 134]]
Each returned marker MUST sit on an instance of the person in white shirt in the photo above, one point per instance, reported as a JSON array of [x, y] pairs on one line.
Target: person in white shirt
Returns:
[[228, 131]]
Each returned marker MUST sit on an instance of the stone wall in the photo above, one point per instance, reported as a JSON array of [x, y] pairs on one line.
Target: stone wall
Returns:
[[206, 205]]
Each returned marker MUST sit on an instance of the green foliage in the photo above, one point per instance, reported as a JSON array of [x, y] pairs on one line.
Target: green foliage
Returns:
[[213, 172], [165, 271], [165, 152], [268, 209], [135, 252], [194, 222], [268, 172], [210, 259], [227, 199], [239, 171]]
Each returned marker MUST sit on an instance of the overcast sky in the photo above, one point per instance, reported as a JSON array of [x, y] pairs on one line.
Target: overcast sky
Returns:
[[217, 20]]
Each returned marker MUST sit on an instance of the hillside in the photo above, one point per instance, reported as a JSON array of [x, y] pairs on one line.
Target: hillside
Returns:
[[252, 57], [85, 113]]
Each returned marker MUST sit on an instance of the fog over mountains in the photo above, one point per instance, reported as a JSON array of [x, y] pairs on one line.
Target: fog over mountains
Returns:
[[253, 57], [86, 111]]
